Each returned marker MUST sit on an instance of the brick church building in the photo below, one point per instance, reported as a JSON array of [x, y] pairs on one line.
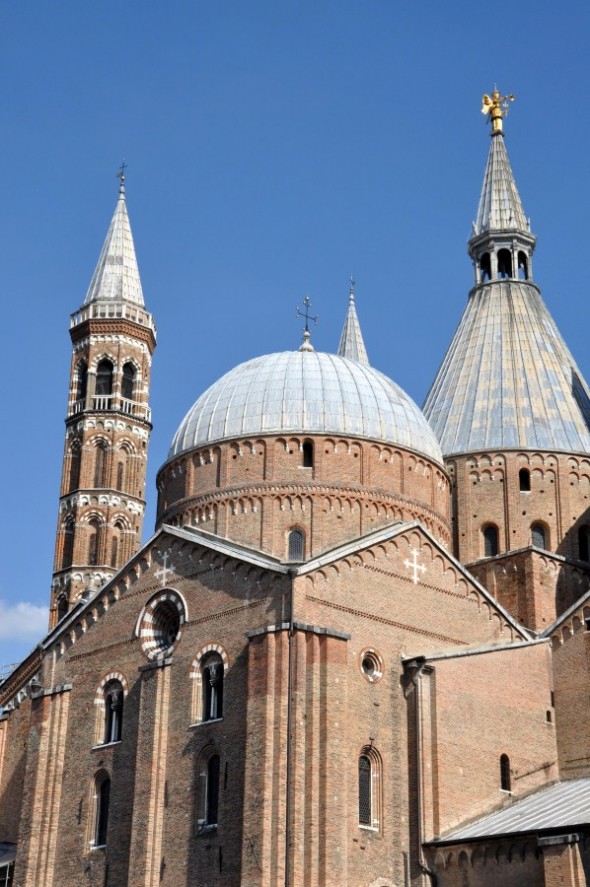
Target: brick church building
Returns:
[[355, 652]]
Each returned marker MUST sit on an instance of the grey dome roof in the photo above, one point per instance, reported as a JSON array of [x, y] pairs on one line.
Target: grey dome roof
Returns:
[[305, 392]]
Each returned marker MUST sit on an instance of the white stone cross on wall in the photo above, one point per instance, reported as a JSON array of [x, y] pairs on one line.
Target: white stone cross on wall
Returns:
[[414, 565], [163, 573]]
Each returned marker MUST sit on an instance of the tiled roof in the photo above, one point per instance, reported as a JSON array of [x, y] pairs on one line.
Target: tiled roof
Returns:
[[116, 278], [564, 805], [508, 379]]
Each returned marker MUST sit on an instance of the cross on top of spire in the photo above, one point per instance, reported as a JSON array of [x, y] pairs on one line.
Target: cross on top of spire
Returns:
[[121, 177], [306, 344]]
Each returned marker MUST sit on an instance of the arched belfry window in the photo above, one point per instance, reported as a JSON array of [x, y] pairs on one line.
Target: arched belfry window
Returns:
[[100, 453], [584, 543], [490, 541], [307, 454], [504, 263], [82, 380], [212, 678], [93, 542], [524, 480], [538, 536], [296, 547], [505, 777], [128, 381], [120, 476], [485, 268], [523, 266], [113, 711], [68, 546], [102, 796], [104, 380]]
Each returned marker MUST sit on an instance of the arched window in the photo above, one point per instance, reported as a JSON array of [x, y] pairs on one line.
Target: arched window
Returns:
[[120, 476], [100, 453], [307, 454], [62, 607], [104, 378], [93, 540], [296, 550], [102, 792], [68, 546], [504, 263], [524, 480], [538, 536], [208, 799], [128, 381], [81, 381], [369, 788], [523, 266], [490, 541], [114, 550], [584, 543], [113, 712], [485, 268], [212, 679], [505, 779], [74, 480]]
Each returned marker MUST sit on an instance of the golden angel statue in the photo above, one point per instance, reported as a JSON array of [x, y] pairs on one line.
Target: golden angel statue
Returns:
[[496, 107]]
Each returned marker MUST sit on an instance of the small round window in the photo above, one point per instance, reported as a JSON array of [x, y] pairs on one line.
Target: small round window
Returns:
[[371, 665], [160, 624]]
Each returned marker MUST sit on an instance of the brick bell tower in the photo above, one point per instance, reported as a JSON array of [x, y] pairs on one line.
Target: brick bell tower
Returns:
[[108, 424]]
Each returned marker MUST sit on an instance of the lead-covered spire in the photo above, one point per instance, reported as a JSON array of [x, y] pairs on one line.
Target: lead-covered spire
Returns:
[[500, 207], [352, 345], [116, 277]]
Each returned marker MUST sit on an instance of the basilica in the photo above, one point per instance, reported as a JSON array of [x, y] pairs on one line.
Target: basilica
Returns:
[[356, 650]]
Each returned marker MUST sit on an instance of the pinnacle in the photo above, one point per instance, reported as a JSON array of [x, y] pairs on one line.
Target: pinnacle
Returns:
[[116, 277], [352, 345], [500, 207]]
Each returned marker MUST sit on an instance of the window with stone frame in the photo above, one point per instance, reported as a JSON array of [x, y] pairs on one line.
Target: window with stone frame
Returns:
[[113, 712], [212, 670], [296, 546], [102, 797], [369, 789], [208, 791]]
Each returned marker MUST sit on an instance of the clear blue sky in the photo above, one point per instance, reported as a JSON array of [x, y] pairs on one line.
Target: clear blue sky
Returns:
[[273, 150]]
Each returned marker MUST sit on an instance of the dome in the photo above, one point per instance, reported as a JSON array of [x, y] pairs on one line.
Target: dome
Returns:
[[305, 392]]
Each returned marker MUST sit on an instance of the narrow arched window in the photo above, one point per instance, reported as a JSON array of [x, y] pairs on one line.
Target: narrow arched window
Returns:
[[538, 536], [485, 268], [104, 379], [524, 480], [120, 476], [307, 454], [74, 479], [584, 543], [100, 453], [81, 381], [113, 712], [505, 779], [208, 800], [114, 550], [101, 812], [490, 541], [523, 266], [296, 550], [68, 546], [365, 791], [504, 263], [62, 607], [212, 678], [128, 381], [93, 540]]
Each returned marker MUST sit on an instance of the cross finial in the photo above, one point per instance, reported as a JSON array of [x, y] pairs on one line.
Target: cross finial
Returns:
[[121, 177], [306, 314], [352, 285]]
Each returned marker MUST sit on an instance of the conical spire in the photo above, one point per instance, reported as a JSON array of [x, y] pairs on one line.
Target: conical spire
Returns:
[[500, 207], [116, 278], [352, 345]]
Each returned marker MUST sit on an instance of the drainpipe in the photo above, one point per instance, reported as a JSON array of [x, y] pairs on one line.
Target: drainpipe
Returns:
[[415, 669], [288, 787]]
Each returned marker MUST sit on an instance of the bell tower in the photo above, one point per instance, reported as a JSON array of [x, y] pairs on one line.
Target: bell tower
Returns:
[[108, 424]]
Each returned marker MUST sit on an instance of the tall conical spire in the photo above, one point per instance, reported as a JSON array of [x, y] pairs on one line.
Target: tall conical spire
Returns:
[[116, 278], [500, 207], [351, 344]]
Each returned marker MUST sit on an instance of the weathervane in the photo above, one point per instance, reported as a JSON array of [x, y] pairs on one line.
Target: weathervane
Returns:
[[496, 108], [121, 176]]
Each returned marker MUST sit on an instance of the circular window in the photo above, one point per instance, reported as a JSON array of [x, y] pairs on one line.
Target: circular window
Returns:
[[371, 665], [160, 624]]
